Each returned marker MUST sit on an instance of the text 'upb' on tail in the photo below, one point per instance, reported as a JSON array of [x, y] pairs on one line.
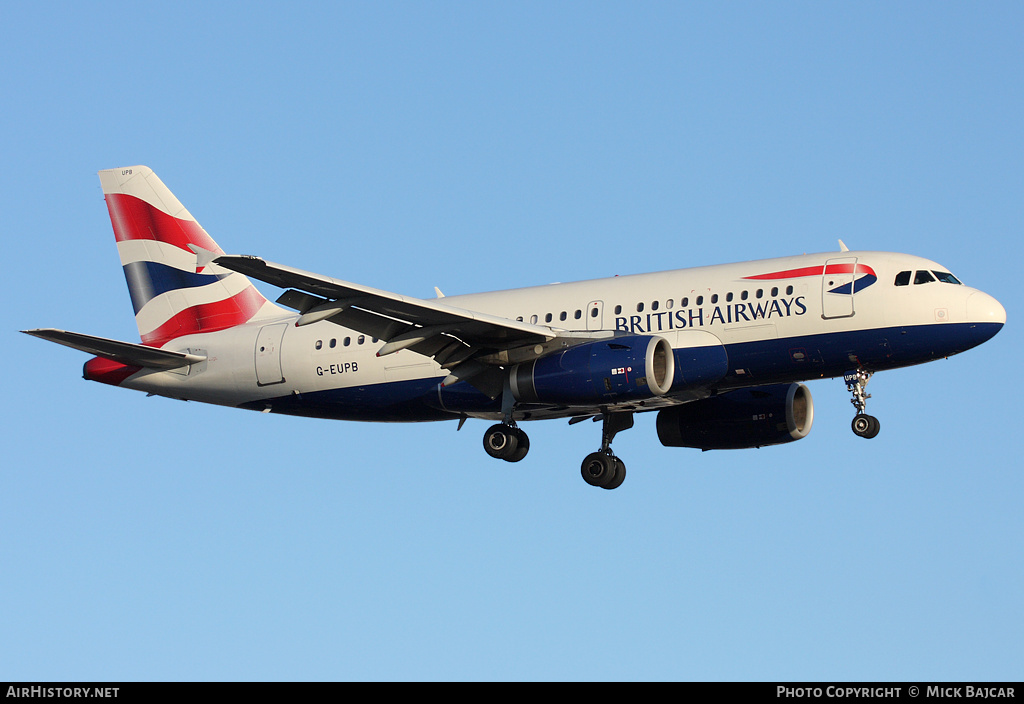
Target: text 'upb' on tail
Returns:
[[172, 295]]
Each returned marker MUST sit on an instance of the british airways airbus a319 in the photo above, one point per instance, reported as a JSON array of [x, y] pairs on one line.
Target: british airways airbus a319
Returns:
[[718, 352]]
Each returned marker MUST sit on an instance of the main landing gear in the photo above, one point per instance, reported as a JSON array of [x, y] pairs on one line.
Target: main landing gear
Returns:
[[863, 425], [603, 468], [505, 441]]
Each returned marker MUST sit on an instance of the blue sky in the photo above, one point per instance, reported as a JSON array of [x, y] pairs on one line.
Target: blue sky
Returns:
[[482, 146]]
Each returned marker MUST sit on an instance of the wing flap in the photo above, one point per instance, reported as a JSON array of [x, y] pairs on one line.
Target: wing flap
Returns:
[[123, 352]]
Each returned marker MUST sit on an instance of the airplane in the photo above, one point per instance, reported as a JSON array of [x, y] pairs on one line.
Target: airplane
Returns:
[[718, 352]]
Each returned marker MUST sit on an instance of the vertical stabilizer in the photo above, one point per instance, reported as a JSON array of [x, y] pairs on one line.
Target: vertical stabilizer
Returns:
[[172, 293]]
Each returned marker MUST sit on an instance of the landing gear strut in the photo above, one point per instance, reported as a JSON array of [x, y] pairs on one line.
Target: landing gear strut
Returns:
[[863, 425], [506, 442], [603, 468]]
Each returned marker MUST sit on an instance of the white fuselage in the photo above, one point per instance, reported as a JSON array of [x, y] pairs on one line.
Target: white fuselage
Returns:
[[784, 319]]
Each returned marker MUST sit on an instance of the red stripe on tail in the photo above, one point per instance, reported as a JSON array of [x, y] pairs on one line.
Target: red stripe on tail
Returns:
[[135, 219], [208, 317]]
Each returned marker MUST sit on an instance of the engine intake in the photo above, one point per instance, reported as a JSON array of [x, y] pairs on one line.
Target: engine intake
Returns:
[[754, 417], [617, 369]]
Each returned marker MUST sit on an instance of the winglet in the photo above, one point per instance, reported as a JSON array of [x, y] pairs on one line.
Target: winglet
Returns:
[[843, 247]]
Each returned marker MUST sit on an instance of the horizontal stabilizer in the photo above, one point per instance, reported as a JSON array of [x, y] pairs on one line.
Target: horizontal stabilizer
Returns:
[[123, 352]]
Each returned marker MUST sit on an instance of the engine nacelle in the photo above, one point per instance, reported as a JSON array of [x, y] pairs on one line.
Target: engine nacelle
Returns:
[[617, 369], [754, 417]]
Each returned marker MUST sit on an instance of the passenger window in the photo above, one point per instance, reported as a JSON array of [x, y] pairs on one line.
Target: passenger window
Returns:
[[319, 344], [668, 304], [347, 341], [593, 312], [743, 295], [640, 307], [547, 318], [700, 300], [714, 298], [618, 309], [362, 339], [760, 293], [775, 291], [903, 278], [579, 314], [333, 343], [654, 306], [563, 315], [685, 302], [789, 290], [923, 277]]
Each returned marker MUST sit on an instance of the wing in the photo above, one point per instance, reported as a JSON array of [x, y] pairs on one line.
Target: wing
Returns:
[[467, 343]]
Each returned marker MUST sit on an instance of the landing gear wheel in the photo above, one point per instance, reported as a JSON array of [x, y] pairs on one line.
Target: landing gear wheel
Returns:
[[598, 468], [500, 441], [620, 475], [603, 470], [522, 446], [503, 442], [865, 426]]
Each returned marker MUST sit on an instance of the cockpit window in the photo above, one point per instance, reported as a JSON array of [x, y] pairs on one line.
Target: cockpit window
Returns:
[[946, 278], [903, 278], [923, 277]]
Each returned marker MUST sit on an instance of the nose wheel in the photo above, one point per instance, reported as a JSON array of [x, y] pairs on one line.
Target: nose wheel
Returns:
[[863, 425]]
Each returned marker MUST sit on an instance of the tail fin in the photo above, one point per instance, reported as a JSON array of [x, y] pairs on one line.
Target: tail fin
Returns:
[[173, 295]]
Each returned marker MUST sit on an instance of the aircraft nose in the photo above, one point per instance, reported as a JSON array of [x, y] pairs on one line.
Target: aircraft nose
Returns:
[[982, 308]]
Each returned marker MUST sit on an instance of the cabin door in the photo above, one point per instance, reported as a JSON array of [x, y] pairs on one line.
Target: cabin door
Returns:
[[837, 287], [268, 354]]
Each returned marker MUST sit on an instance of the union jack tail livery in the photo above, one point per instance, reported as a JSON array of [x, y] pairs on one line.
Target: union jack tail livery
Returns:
[[158, 240]]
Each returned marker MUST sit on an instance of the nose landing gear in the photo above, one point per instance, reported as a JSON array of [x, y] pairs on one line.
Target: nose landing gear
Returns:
[[863, 425]]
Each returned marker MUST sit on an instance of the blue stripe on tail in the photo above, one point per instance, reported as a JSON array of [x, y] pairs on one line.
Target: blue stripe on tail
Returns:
[[147, 280]]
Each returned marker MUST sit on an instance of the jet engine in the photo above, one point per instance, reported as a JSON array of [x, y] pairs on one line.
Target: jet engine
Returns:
[[618, 369], [754, 417]]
